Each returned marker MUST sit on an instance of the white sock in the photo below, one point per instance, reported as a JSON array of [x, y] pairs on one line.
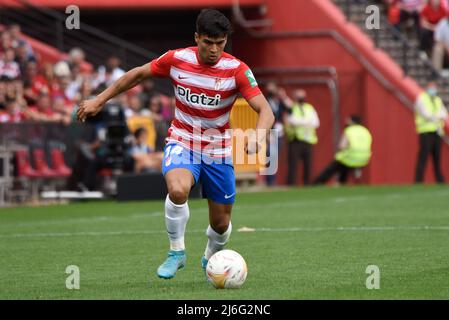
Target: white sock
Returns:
[[216, 241], [176, 217]]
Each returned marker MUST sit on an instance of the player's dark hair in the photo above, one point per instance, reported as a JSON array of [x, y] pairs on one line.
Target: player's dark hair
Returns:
[[212, 23], [139, 132]]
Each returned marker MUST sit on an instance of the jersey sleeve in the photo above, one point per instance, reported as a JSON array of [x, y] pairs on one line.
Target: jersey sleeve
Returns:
[[160, 67], [246, 82]]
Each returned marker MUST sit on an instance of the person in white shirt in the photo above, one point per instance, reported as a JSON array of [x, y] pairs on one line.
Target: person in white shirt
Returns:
[[110, 72]]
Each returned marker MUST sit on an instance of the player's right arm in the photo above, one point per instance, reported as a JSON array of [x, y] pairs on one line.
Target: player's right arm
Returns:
[[157, 68], [133, 77]]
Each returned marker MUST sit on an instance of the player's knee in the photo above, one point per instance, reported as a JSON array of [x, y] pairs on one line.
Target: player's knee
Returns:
[[221, 227], [178, 195]]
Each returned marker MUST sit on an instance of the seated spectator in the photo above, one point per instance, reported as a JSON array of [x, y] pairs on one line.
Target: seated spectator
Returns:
[[109, 73], [34, 82], [75, 59], [43, 110], [12, 112], [85, 91], [134, 108], [148, 91], [18, 41], [155, 107], [409, 14], [431, 15], [9, 68], [61, 89], [160, 123], [145, 158], [5, 42], [441, 46]]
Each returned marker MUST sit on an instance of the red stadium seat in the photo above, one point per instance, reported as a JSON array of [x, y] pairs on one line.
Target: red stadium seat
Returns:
[[105, 172], [24, 168], [41, 164], [59, 165]]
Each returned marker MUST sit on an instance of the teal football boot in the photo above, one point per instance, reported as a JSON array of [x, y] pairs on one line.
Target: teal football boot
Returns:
[[204, 263], [175, 261]]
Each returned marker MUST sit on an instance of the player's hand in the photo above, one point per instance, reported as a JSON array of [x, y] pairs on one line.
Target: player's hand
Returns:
[[88, 108]]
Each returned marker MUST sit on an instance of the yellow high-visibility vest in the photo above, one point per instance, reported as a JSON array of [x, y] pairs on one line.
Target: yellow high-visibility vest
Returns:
[[302, 133], [433, 106], [358, 153]]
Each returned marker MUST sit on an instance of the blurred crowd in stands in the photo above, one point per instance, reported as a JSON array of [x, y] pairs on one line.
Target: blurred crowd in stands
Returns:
[[33, 90], [429, 21]]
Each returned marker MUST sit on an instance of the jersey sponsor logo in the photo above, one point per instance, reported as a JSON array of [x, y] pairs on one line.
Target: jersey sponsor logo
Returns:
[[252, 80], [198, 99]]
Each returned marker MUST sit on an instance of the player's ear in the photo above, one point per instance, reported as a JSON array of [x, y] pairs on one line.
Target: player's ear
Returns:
[[197, 38]]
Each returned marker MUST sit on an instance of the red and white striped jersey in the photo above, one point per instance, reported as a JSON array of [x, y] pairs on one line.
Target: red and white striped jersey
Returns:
[[204, 96]]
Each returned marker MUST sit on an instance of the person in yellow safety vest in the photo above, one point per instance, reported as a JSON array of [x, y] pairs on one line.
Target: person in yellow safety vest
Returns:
[[300, 126], [354, 152], [430, 115]]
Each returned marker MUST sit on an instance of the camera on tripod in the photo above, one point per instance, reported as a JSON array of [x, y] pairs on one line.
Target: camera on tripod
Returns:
[[115, 137]]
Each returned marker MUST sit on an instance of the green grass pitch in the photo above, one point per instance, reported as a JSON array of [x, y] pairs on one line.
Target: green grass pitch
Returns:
[[313, 243]]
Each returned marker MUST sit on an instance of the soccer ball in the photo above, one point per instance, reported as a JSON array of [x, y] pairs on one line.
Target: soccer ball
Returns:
[[226, 269]]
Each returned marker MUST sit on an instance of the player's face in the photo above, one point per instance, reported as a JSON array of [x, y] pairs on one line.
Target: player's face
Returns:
[[210, 49]]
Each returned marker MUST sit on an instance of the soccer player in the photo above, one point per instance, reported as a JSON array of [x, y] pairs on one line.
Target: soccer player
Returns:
[[206, 82]]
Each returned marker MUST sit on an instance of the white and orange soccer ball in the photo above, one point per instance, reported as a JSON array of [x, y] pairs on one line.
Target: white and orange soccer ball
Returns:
[[226, 269]]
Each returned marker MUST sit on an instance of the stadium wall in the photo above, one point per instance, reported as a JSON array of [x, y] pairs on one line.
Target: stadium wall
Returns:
[[391, 122]]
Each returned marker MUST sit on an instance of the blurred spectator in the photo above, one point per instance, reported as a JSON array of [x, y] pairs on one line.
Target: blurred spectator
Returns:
[[18, 41], [300, 125], [441, 46], [12, 112], [430, 117], [109, 73], [278, 107], [9, 68], [155, 107], [5, 42], [61, 89], [43, 111], [148, 91], [75, 59], [134, 108], [169, 110], [354, 152], [409, 14], [160, 124], [431, 15], [85, 91], [145, 158]]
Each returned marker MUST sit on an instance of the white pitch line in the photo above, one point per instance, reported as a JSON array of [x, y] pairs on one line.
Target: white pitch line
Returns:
[[293, 229]]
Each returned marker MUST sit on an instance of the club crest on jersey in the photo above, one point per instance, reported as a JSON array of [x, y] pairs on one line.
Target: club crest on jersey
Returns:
[[217, 83], [198, 99]]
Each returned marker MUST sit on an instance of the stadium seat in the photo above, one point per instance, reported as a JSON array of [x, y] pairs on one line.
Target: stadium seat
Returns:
[[41, 165], [23, 164], [59, 165]]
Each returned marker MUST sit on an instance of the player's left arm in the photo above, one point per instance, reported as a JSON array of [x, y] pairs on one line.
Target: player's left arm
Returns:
[[248, 87], [264, 122]]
